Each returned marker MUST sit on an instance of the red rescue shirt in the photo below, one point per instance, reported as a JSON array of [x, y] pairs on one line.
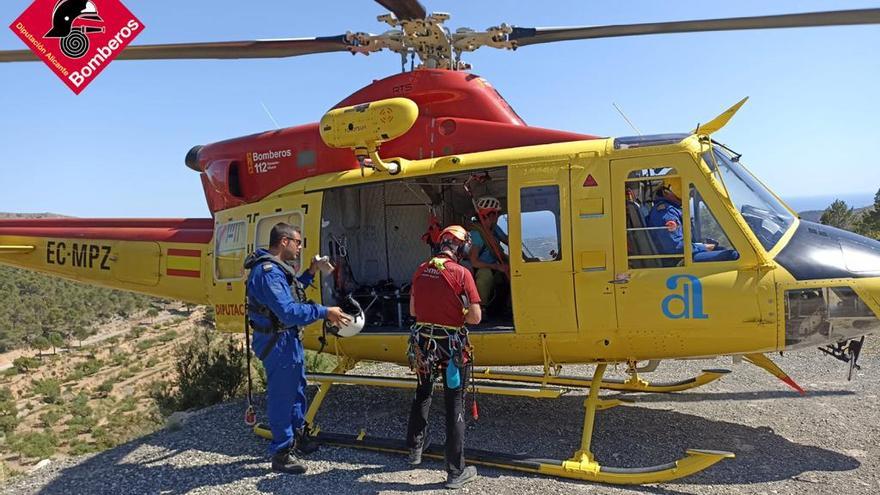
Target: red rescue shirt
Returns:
[[439, 301]]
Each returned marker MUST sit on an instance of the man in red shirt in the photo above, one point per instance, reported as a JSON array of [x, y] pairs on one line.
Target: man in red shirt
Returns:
[[443, 298]]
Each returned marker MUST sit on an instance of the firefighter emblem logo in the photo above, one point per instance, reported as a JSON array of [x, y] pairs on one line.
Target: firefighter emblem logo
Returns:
[[77, 39], [73, 21]]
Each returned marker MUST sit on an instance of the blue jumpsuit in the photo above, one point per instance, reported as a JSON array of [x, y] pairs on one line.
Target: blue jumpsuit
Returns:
[[672, 242], [285, 368]]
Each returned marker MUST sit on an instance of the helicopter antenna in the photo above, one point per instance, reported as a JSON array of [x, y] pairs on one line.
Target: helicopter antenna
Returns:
[[270, 115], [626, 119]]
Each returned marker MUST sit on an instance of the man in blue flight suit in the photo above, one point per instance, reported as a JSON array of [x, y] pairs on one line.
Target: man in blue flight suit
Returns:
[[667, 213], [277, 310]]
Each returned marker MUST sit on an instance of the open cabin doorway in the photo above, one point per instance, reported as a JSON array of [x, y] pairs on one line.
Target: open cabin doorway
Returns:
[[375, 236]]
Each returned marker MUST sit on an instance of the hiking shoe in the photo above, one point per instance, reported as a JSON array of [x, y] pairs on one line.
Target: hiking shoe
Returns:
[[455, 482], [415, 457], [285, 461], [304, 443]]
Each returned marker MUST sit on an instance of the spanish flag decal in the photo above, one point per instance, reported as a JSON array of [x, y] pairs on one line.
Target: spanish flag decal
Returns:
[[184, 263]]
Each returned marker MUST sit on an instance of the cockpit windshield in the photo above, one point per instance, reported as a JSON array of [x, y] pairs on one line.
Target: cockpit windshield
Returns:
[[768, 218]]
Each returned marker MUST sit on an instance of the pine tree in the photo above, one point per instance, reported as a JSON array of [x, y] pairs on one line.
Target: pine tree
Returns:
[[839, 215], [55, 340], [869, 225], [40, 344]]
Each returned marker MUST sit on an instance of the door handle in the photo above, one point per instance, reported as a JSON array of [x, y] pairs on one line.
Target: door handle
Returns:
[[620, 278]]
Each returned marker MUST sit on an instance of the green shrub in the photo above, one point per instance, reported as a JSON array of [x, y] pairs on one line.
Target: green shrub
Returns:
[[210, 370], [138, 331], [165, 396], [104, 439], [145, 344], [112, 341], [89, 367], [125, 405], [168, 336], [153, 361], [319, 363], [157, 326], [81, 447], [82, 419], [9, 372], [67, 435], [50, 389], [35, 445], [106, 386], [24, 364], [8, 412], [81, 424], [51, 416], [119, 358]]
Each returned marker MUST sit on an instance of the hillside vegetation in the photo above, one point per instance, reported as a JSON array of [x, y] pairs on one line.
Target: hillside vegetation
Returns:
[[38, 311]]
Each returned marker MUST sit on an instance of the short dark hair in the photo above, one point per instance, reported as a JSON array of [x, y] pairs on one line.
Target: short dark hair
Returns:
[[280, 231]]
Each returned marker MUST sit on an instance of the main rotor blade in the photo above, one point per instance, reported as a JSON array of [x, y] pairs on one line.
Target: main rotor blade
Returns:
[[532, 36], [405, 9], [289, 47]]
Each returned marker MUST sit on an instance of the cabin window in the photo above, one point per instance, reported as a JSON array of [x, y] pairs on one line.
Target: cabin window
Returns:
[[234, 180], [539, 207], [230, 245], [264, 227], [710, 241], [649, 241]]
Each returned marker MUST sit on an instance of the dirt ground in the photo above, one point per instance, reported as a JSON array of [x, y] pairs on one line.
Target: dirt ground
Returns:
[[825, 442]]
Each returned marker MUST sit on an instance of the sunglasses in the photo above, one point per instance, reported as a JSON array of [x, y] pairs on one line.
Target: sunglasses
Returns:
[[296, 242]]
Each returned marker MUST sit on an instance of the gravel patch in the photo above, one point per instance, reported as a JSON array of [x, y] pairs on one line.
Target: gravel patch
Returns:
[[828, 441]]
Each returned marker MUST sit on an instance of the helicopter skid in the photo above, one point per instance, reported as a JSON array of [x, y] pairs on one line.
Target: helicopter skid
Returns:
[[581, 466], [695, 461], [632, 384]]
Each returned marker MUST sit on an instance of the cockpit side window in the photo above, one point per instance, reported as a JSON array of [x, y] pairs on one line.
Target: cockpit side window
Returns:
[[645, 229], [710, 241]]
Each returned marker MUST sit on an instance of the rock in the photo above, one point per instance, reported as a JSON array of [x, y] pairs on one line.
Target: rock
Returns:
[[177, 420], [41, 465]]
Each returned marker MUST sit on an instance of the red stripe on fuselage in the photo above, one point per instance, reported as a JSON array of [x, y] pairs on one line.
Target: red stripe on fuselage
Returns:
[[195, 253]]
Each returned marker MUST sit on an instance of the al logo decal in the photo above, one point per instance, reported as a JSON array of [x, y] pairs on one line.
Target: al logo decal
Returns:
[[77, 39]]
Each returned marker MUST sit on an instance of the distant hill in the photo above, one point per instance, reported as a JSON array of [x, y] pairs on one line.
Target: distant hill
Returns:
[[31, 215]]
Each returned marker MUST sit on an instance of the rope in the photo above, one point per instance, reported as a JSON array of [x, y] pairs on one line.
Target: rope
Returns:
[[250, 415]]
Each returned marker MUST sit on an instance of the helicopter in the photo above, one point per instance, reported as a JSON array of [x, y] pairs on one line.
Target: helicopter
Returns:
[[588, 282]]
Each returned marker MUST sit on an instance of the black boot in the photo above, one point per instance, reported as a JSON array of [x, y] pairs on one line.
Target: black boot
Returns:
[[285, 461], [304, 444]]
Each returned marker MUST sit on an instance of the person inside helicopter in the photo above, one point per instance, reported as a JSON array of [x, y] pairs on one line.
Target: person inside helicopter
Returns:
[[491, 272], [666, 219]]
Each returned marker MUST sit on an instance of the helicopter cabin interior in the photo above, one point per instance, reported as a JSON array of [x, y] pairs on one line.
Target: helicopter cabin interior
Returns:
[[377, 235]]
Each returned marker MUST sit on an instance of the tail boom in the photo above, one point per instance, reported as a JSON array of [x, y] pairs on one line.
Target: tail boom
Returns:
[[160, 257]]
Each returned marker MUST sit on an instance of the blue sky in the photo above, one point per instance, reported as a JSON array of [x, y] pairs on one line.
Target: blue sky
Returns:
[[810, 127]]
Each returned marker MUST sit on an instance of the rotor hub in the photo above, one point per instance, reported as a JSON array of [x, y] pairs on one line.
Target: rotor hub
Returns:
[[435, 45]]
